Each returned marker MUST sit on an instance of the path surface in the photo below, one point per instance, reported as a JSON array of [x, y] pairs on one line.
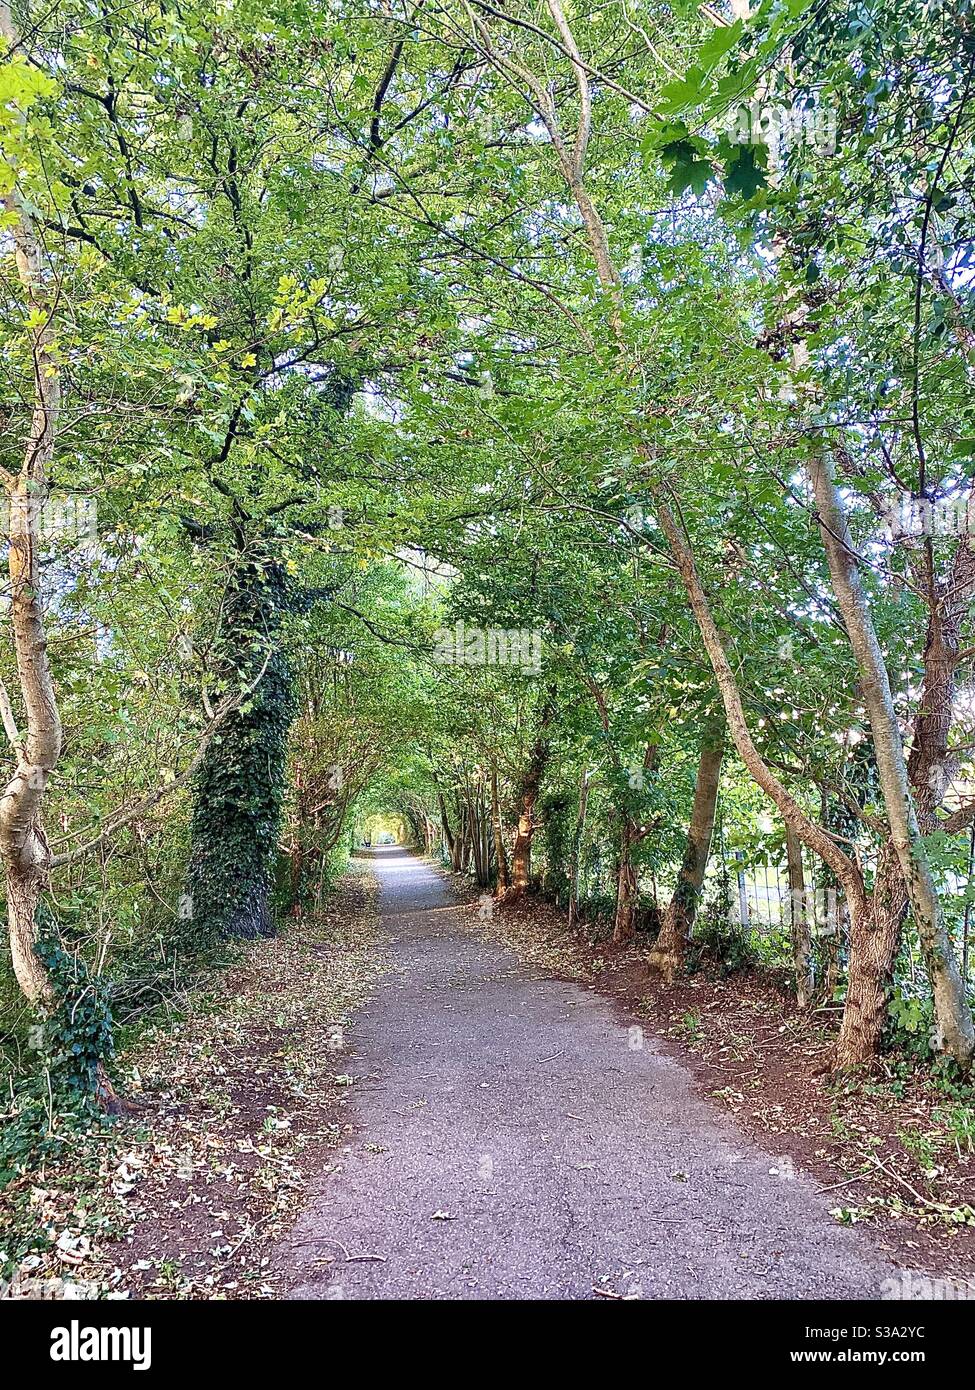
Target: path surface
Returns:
[[565, 1159]]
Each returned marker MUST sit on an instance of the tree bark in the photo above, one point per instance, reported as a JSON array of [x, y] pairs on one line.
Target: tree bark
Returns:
[[24, 849], [800, 926], [528, 790], [577, 846], [875, 934], [521, 853], [477, 820], [627, 892], [952, 1013], [667, 955], [451, 840], [502, 875]]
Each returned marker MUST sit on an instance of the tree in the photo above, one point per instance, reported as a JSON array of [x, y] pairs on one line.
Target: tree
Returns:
[[23, 843]]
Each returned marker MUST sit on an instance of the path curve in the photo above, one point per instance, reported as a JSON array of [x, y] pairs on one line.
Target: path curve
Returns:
[[512, 1141]]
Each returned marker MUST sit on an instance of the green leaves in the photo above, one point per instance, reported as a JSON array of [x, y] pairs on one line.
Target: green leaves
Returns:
[[687, 169], [692, 164], [721, 42], [744, 172], [696, 87], [688, 91], [22, 86], [358, 317]]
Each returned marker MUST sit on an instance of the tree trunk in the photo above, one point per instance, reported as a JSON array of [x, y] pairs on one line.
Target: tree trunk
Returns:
[[811, 834], [502, 876], [464, 834], [23, 845], [800, 926], [667, 955], [577, 846], [950, 1003], [624, 925], [240, 784], [875, 935], [24, 887], [477, 821], [450, 839], [874, 924], [521, 854]]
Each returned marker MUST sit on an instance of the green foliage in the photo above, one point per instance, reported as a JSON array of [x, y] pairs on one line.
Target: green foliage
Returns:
[[77, 1033], [57, 1096], [556, 812], [39, 1124], [959, 1124], [720, 940], [358, 350], [691, 1024], [911, 1023]]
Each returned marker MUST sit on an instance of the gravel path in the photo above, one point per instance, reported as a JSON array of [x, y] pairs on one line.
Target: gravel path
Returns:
[[514, 1139]]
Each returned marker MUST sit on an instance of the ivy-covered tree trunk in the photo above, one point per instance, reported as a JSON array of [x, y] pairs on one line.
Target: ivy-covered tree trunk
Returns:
[[241, 781]]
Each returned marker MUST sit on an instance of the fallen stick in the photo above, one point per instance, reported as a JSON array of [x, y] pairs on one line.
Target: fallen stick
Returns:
[[854, 1177]]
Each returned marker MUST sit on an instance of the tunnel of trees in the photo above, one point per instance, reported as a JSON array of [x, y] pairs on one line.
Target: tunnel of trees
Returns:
[[545, 437]]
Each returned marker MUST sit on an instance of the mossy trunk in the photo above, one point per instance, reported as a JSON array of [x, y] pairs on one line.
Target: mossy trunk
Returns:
[[240, 784]]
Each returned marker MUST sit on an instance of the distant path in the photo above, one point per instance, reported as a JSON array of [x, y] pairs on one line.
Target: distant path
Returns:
[[564, 1158]]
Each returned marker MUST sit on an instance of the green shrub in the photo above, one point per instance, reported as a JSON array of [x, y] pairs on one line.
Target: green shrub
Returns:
[[720, 939]]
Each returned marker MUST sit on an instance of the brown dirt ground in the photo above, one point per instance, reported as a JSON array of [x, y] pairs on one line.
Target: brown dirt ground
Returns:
[[234, 1110]]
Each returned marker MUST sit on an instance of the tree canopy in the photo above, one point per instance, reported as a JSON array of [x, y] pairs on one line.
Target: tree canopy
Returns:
[[551, 429]]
